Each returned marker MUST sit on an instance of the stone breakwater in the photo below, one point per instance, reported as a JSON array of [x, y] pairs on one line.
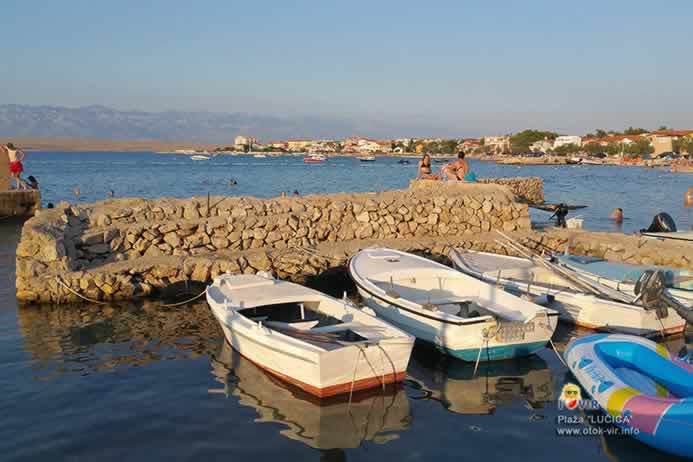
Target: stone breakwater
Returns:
[[126, 248], [526, 189], [120, 248]]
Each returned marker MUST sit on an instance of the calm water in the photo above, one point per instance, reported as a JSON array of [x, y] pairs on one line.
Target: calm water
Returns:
[[136, 381], [640, 192]]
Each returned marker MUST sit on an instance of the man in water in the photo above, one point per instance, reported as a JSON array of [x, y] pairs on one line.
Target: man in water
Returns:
[[617, 215], [456, 171]]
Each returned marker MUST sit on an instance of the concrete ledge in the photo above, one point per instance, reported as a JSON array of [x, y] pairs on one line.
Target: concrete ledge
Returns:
[[19, 202]]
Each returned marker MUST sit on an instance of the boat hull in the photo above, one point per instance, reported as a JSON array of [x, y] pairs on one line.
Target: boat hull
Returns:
[[462, 341], [586, 310]]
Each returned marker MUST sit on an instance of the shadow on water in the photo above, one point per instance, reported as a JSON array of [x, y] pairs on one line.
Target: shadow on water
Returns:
[[373, 415]]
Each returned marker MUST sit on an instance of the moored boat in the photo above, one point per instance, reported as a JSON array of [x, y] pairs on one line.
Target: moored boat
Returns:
[[366, 158], [199, 157], [462, 316], [315, 158], [322, 345], [522, 275], [645, 389], [623, 276]]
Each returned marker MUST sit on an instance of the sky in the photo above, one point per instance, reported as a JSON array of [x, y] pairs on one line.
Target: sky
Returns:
[[457, 68]]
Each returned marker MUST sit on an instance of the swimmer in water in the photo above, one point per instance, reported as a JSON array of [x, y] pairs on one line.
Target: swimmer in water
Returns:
[[617, 215], [688, 198], [233, 182]]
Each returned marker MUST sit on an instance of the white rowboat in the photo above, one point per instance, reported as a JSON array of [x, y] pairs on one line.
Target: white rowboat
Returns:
[[322, 345], [576, 307], [464, 317]]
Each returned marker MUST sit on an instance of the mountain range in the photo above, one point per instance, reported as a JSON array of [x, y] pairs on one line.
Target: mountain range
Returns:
[[100, 122]]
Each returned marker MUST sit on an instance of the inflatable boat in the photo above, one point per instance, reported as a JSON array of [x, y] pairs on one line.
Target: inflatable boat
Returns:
[[647, 390]]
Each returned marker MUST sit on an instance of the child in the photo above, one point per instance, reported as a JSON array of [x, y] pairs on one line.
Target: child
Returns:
[[16, 167]]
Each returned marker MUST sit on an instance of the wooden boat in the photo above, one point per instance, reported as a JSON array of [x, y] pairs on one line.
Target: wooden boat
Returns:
[[522, 275], [315, 158], [643, 387], [372, 414], [462, 316], [322, 345], [366, 158], [623, 276]]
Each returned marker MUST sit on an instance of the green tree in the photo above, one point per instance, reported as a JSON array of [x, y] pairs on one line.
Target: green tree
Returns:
[[593, 148], [663, 127], [639, 148], [613, 148], [520, 142], [634, 131], [566, 150], [684, 144]]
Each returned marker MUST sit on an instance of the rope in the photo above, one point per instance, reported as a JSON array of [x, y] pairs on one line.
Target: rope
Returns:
[[91, 300], [169, 305]]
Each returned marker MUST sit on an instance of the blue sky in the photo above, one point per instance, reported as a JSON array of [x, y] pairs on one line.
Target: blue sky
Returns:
[[454, 67]]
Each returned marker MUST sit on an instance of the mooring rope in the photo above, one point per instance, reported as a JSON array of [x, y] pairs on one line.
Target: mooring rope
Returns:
[[91, 300], [169, 305]]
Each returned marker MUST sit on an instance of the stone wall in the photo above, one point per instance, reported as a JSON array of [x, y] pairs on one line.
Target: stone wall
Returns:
[[109, 249], [527, 189], [19, 202]]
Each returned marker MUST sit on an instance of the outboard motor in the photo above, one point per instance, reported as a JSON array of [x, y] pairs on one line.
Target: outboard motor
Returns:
[[661, 223], [651, 291]]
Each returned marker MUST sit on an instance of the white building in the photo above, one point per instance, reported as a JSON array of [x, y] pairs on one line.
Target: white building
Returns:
[[243, 141], [567, 139]]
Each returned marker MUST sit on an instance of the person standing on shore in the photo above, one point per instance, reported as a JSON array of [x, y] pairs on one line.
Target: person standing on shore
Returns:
[[16, 156]]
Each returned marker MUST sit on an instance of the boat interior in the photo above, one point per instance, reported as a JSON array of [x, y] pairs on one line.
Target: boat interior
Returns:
[[437, 292], [303, 320], [645, 369], [512, 269]]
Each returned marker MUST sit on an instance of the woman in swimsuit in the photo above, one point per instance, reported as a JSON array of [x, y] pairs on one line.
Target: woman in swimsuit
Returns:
[[457, 170], [16, 167], [424, 169]]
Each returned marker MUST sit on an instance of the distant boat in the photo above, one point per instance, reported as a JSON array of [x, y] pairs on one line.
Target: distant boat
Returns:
[[199, 157], [403, 162], [366, 158], [315, 158], [259, 156]]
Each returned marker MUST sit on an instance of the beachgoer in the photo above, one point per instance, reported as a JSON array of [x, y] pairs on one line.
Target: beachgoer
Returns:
[[111, 194], [282, 194], [617, 215], [295, 193], [32, 182], [233, 182], [688, 198], [424, 169], [457, 170], [16, 156]]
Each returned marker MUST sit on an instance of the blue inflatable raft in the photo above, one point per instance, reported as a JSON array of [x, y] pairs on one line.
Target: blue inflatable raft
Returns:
[[641, 385]]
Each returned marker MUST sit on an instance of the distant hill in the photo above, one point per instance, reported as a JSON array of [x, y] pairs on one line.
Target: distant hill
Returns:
[[99, 122]]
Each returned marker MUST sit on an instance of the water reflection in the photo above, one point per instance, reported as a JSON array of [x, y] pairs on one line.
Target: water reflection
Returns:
[[495, 384], [96, 338], [374, 415]]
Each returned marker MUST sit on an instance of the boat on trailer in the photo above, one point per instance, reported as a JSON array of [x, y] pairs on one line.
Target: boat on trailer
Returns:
[[322, 345], [524, 276], [462, 316]]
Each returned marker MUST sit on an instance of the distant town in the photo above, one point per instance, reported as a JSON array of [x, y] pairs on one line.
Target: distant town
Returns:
[[632, 142]]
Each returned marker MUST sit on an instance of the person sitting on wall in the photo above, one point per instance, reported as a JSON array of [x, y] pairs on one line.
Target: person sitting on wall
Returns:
[[424, 169], [16, 156], [458, 170]]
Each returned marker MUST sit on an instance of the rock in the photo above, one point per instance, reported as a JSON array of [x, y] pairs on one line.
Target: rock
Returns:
[[363, 217]]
